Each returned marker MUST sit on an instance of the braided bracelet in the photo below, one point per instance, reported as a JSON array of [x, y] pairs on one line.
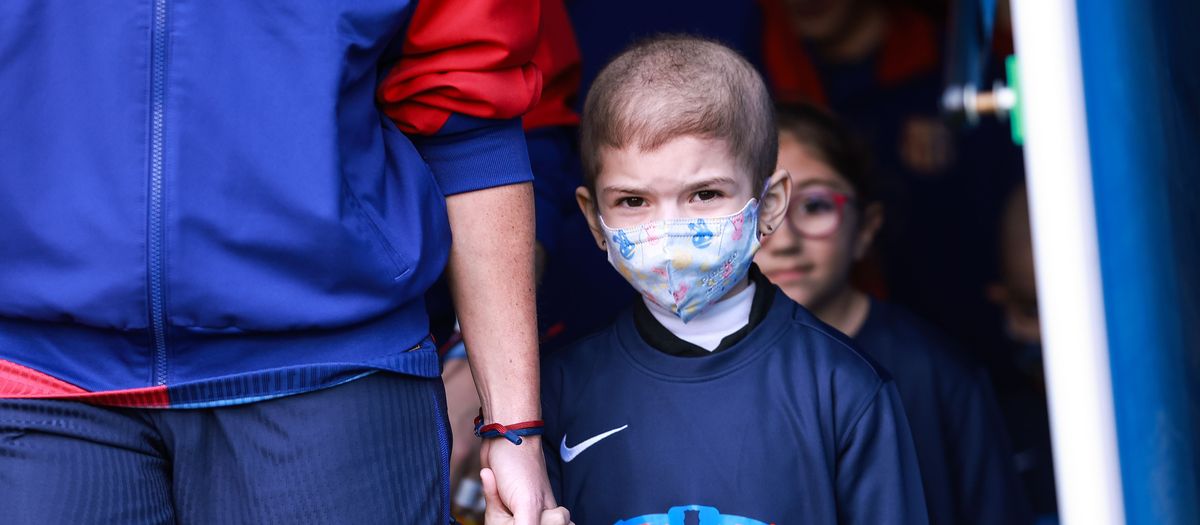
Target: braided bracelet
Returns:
[[511, 432]]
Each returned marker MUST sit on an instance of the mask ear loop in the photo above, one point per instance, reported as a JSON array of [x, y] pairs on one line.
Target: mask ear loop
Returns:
[[762, 196]]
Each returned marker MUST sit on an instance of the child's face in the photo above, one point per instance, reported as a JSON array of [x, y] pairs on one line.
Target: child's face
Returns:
[[1017, 291], [811, 254], [688, 177]]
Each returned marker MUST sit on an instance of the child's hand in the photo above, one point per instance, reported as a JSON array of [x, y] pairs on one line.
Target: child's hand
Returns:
[[497, 514]]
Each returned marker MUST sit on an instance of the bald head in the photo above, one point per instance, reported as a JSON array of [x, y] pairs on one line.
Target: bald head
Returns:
[[675, 86]]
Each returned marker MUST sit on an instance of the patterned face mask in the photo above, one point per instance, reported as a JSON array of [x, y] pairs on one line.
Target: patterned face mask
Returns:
[[684, 265]]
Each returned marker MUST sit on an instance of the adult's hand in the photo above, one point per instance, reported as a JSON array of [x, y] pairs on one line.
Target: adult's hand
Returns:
[[499, 514], [520, 472]]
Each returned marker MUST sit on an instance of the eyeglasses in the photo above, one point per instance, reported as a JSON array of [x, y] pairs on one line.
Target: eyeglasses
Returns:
[[817, 214]]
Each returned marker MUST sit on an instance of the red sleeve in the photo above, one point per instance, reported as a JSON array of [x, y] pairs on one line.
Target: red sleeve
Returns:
[[790, 72], [474, 58], [909, 49], [557, 57]]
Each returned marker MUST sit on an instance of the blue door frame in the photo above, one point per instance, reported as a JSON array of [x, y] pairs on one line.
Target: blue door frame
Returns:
[[1141, 80]]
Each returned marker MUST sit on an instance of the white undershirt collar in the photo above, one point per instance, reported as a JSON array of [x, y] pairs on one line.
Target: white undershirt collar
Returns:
[[716, 322]]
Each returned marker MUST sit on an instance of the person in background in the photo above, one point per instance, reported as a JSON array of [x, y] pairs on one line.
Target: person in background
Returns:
[[1016, 293], [834, 216], [1021, 386], [878, 64], [715, 397]]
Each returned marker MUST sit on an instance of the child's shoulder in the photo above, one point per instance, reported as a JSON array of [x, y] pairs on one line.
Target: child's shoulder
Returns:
[[828, 349], [583, 351], [902, 340], [842, 374], [585, 354]]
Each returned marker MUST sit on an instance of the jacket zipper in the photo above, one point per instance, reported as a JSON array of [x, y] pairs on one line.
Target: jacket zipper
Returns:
[[154, 230]]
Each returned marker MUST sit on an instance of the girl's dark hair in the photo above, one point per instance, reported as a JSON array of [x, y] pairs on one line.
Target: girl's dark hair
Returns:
[[827, 138]]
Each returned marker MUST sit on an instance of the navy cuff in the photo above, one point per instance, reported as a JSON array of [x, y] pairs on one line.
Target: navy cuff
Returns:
[[470, 154]]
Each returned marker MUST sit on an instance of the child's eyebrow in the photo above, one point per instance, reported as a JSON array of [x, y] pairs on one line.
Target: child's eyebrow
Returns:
[[708, 183], [695, 186], [622, 189], [819, 182]]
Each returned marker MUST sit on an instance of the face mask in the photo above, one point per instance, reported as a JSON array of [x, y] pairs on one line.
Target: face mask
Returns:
[[684, 265]]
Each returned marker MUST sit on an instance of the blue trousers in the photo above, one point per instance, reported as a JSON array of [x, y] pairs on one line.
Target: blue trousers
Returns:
[[374, 450]]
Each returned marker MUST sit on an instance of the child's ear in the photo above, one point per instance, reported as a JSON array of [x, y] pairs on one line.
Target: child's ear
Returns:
[[869, 225], [587, 205], [772, 210]]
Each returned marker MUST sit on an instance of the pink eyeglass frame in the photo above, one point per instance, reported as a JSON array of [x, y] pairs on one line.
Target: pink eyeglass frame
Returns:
[[839, 200]]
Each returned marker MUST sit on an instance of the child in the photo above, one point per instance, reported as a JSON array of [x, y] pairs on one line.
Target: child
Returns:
[[880, 65], [833, 218], [1020, 384], [716, 399]]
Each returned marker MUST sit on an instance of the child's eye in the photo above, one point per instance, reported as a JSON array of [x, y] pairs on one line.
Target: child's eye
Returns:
[[818, 206], [707, 195], [631, 202]]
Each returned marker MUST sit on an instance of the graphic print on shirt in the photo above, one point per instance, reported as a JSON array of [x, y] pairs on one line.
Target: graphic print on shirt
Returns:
[[570, 453], [702, 516]]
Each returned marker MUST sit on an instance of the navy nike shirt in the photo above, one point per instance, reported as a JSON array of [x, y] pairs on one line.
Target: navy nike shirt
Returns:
[[788, 423], [963, 450]]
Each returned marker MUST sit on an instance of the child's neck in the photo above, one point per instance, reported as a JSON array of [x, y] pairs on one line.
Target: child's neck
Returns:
[[716, 322], [847, 310], [737, 288]]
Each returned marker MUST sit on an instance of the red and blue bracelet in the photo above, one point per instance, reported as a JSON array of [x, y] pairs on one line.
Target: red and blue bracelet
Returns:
[[511, 432]]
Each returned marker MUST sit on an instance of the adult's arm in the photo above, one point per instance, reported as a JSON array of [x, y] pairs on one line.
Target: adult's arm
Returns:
[[464, 77], [491, 282]]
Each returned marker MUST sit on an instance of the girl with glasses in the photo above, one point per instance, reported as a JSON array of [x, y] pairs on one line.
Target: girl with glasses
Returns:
[[833, 217]]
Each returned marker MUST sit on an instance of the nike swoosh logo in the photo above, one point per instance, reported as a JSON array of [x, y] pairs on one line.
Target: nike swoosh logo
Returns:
[[569, 453]]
